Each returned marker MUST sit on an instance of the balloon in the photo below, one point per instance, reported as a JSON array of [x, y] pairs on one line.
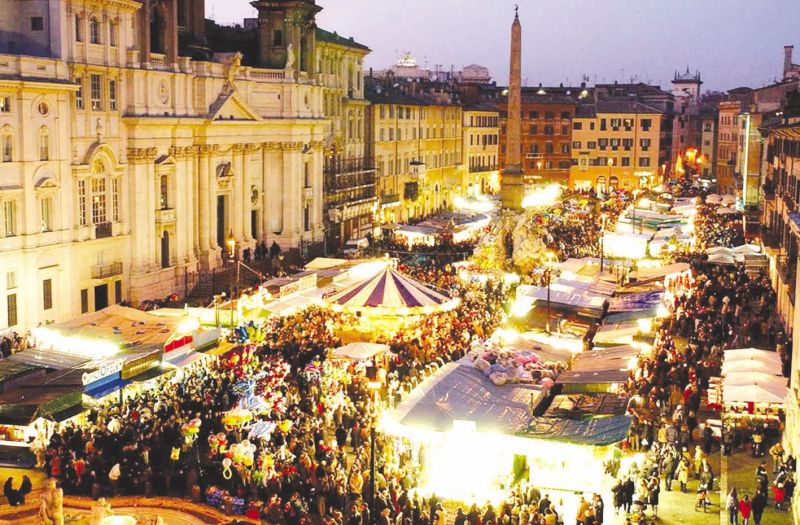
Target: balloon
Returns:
[[227, 462], [248, 461]]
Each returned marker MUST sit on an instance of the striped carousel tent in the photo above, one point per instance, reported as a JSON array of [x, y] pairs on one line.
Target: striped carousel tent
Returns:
[[391, 293]]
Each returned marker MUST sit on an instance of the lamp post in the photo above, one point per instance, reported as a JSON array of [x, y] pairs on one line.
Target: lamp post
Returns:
[[608, 182], [549, 263], [231, 242], [603, 218]]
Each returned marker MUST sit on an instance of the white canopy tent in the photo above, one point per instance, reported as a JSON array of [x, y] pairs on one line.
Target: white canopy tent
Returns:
[[360, 351], [750, 365], [760, 393], [751, 378], [753, 354]]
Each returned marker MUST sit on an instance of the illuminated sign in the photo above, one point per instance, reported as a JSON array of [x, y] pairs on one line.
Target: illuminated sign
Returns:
[[105, 370]]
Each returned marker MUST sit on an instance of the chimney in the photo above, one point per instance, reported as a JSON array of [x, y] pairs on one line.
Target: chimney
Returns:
[[787, 59]]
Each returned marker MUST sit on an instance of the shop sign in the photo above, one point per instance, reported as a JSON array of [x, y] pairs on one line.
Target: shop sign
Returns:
[[104, 371], [140, 365]]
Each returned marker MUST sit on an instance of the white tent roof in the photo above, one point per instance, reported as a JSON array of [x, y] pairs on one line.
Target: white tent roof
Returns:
[[360, 351], [713, 199], [660, 272], [751, 379], [761, 393], [750, 365], [753, 354]]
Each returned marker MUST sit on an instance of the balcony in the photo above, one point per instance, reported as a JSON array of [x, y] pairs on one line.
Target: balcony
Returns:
[[103, 230], [390, 201], [166, 216], [482, 169], [787, 270], [345, 166], [106, 270]]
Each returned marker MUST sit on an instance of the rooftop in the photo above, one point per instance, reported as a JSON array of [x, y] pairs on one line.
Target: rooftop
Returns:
[[334, 38]]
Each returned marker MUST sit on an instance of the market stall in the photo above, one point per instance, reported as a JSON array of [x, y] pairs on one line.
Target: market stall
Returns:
[[599, 370]]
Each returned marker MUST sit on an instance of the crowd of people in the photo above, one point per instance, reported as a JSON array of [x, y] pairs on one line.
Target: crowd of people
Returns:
[[169, 439]]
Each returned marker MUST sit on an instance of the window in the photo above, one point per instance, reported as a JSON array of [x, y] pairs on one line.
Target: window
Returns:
[[616, 123], [565, 115], [112, 95], [576, 144], [47, 294], [628, 124], [306, 218], [549, 115], [645, 144], [9, 218], [112, 34], [563, 164], [534, 148], [548, 130], [94, 30], [625, 162], [117, 292], [564, 129], [115, 199], [7, 148], [548, 148], [78, 28], [577, 125], [591, 144], [163, 192], [98, 200], [534, 130], [591, 126], [646, 123], [11, 280], [602, 124], [44, 146], [5, 104], [37, 23], [79, 93], [11, 309], [564, 147], [46, 212], [96, 92], [84, 301], [644, 162], [615, 144], [306, 175], [533, 114], [82, 202], [602, 143], [627, 144]]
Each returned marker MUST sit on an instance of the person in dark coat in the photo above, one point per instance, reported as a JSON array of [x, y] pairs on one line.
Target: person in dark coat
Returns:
[[628, 488], [11, 494], [759, 503]]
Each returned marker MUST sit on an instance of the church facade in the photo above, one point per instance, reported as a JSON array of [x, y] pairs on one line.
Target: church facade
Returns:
[[132, 152]]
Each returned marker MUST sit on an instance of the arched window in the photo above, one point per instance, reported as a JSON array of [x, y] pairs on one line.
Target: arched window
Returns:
[[78, 28], [94, 30]]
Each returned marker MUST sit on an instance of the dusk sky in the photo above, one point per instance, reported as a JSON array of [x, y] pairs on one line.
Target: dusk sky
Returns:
[[731, 42]]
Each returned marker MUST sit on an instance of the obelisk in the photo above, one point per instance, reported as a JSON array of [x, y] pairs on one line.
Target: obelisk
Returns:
[[513, 188]]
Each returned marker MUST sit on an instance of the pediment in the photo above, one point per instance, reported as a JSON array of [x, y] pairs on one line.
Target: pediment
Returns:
[[230, 106]]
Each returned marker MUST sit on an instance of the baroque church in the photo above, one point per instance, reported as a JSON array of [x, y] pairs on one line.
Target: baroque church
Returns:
[[135, 143]]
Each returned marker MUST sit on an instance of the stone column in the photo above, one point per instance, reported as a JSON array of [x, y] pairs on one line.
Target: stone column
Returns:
[[237, 192], [512, 185], [142, 207], [203, 190], [212, 198], [292, 193], [274, 189]]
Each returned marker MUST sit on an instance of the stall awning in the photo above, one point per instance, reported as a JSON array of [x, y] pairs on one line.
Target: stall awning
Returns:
[[460, 392], [69, 412], [360, 351], [597, 432], [18, 415], [104, 388]]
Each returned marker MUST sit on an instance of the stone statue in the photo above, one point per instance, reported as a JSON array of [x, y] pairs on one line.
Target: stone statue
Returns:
[[101, 509], [51, 504], [289, 58], [234, 66]]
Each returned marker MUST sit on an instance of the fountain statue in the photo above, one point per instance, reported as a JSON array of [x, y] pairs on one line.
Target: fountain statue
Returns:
[[51, 506]]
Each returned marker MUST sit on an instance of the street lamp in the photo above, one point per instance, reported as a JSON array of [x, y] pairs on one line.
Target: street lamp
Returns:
[[608, 182], [231, 242], [549, 264], [603, 218]]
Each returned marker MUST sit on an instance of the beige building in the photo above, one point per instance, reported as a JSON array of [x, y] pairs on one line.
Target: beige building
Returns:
[[127, 164], [416, 142], [481, 149], [349, 178], [615, 145]]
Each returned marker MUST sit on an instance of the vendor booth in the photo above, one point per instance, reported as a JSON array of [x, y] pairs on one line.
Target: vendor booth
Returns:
[[752, 385], [600, 370]]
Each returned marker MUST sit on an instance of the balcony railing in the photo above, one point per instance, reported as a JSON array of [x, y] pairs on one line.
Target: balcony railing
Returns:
[[348, 181], [787, 270], [103, 230], [350, 196], [106, 270], [344, 166], [480, 169]]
